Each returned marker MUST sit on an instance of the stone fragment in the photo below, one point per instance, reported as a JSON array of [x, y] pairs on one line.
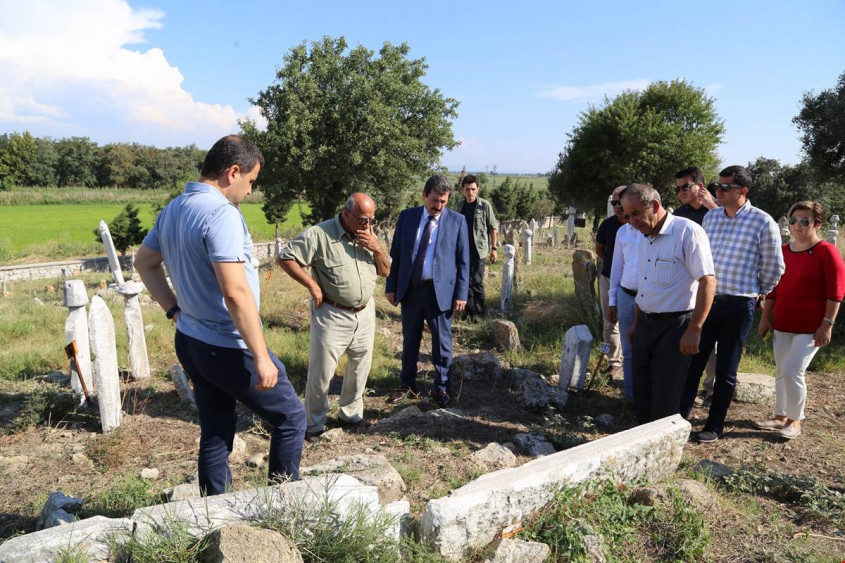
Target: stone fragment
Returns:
[[604, 421], [106, 378], [505, 335], [392, 422], [536, 393], [239, 450], [138, 359], [185, 491], [401, 511], [310, 496], [256, 460], [82, 460], [183, 388], [483, 366], [493, 457], [755, 388], [694, 493], [533, 445], [517, 376], [577, 344], [150, 473], [372, 469], [89, 538], [513, 551], [247, 544], [474, 515], [594, 546], [333, 435], [57, 501], [713, 468]]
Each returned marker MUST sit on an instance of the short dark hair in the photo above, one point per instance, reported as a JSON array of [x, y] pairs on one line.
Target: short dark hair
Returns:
[[469, 179], [438, 183], [229, 151], [693, 172], [740, 175]]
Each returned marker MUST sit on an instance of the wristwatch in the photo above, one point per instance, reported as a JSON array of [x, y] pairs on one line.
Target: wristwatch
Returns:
[[172, 311], [831, 321]]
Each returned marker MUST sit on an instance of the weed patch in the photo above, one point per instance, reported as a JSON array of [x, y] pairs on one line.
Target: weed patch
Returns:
[[41, 407], [122, 498]]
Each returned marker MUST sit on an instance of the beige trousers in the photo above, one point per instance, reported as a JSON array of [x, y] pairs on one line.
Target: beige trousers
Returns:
[[335, 332], [611, 330]]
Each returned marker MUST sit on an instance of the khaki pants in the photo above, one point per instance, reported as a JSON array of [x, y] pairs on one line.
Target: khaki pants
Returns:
[[335, 332], [610, 333]]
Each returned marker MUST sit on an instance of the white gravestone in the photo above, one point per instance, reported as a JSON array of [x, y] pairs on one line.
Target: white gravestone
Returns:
[[138, 359], [183, 388], [76, 328], [570, 224], [111, 253], [527, 240], [106, 377], [556, 235], [833, 231], [507, 277], [577, 344], [610, 211]]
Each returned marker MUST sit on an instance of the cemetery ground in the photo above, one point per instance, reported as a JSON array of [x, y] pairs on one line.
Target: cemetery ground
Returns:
[[787, 503]]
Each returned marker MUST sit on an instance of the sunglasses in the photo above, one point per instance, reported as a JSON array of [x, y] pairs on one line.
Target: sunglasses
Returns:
[[727, 187], [686, 187], [364, 221], [803, 221], [615, 202]]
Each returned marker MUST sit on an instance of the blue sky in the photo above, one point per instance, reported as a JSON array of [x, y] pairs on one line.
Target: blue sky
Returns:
[[180, 72]]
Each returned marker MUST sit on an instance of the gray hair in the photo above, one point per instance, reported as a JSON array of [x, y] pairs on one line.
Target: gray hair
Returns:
[[644, 193], [350, 203], [438, 183]]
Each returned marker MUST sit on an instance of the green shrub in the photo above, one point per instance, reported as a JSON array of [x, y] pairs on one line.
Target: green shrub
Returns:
[[122, 498], [40, 407]]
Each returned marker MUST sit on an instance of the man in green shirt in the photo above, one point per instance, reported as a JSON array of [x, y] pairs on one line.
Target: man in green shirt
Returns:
[[344, 256], [482, 228]]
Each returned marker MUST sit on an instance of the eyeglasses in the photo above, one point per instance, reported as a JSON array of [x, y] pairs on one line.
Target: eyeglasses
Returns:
[[686, 187], [727, 187], [615, 202], [363, 221], [803, 221]]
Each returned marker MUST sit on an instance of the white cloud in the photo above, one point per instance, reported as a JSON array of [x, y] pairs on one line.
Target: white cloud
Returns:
[[593, 92], [63, 59]]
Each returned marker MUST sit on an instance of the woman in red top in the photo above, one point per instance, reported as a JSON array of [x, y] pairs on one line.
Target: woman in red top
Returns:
[[801, 311]]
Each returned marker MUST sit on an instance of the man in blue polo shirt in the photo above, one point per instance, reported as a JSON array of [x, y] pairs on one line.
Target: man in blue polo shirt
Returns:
[[203, 240]]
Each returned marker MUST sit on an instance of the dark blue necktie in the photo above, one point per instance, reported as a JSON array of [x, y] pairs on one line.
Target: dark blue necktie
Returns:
[[419, 259]]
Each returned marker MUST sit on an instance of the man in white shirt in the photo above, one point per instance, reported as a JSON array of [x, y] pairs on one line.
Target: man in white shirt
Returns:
[[676, 280]]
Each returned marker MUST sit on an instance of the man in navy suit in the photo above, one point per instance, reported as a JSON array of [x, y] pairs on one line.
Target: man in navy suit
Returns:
[[429, 276]]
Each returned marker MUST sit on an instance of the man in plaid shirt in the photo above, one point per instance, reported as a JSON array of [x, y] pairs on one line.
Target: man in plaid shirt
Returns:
[[745, 242]]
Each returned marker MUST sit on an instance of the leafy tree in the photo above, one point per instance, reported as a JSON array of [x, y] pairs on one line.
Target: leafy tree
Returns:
[[637, 137], [17, 153], [77, 162], [125, 229], [822, 125], [525, 198], [45, 167], [503, 199], [116, 162], [341, 120], [775, 187], [543, 207]]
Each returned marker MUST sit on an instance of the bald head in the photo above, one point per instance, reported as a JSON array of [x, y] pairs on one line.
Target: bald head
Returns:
[[359, 212]]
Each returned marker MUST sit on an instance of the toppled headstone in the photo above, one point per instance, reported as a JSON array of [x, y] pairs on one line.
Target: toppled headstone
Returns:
[[533, 445], [242, 544], [505, 335], [105, 368], [493, 457], [513, 550], [474, 515], [183, 388], [536, 393], [482, 366], [755, 388], [111, 253], [577, 344], [89, 538], [370, 469]]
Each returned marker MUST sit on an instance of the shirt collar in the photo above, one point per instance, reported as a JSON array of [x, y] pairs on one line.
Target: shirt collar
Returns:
[[202, 187], [335, 227]]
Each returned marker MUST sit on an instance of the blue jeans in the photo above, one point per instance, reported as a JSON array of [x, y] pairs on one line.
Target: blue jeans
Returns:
[[222, 376], [727, 324], [625, 311]]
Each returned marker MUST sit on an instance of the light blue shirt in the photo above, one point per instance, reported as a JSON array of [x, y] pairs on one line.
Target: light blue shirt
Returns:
[[196, 229], [428, 265]]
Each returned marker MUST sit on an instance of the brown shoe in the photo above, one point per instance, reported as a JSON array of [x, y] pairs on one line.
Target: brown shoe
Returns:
[[399, 395], [440, 397], [359, 427]]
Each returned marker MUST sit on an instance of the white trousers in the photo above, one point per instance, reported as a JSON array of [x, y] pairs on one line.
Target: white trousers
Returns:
[[793, 353], [335, 332]]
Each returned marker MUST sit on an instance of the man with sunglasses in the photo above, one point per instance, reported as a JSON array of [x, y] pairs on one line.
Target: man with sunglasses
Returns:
[[745, 242], [605, 242], [345, 257]]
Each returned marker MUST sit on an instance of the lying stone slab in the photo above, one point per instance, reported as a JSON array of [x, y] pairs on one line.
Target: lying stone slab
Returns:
[[533, 445], [201, 516], [474, 515], [482, 366], [400, 510], [512, 550], [536, 393], [370, 469], [755, 388], [237, 543], [87, 537], [493, 457]]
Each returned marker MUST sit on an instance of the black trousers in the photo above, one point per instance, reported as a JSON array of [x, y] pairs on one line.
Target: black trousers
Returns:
[[476, 301], [659, 368]]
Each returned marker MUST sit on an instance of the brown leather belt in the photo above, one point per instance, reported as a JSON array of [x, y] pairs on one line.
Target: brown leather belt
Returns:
[[344, 307]]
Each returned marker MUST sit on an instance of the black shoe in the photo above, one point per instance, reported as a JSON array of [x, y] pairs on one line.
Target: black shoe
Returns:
[[399, 395], [706, 436], [440, 397], [314, 437], [359, 427]]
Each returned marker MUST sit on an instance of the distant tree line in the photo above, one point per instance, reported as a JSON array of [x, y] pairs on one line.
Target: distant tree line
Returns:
[[77, 161]]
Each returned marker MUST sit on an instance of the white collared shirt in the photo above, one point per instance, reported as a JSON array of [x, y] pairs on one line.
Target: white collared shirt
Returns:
[[623, 270], [428, 265], [670, 265]]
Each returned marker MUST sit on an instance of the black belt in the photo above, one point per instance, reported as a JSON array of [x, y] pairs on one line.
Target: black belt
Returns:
[[424, 283], [730, 298], [631, 292], [669, 315], [344, 307]]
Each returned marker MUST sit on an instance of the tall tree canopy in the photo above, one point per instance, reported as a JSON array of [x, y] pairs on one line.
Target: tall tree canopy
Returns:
[[637, 137], [342, 120], [775, 187], [822, 125]]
